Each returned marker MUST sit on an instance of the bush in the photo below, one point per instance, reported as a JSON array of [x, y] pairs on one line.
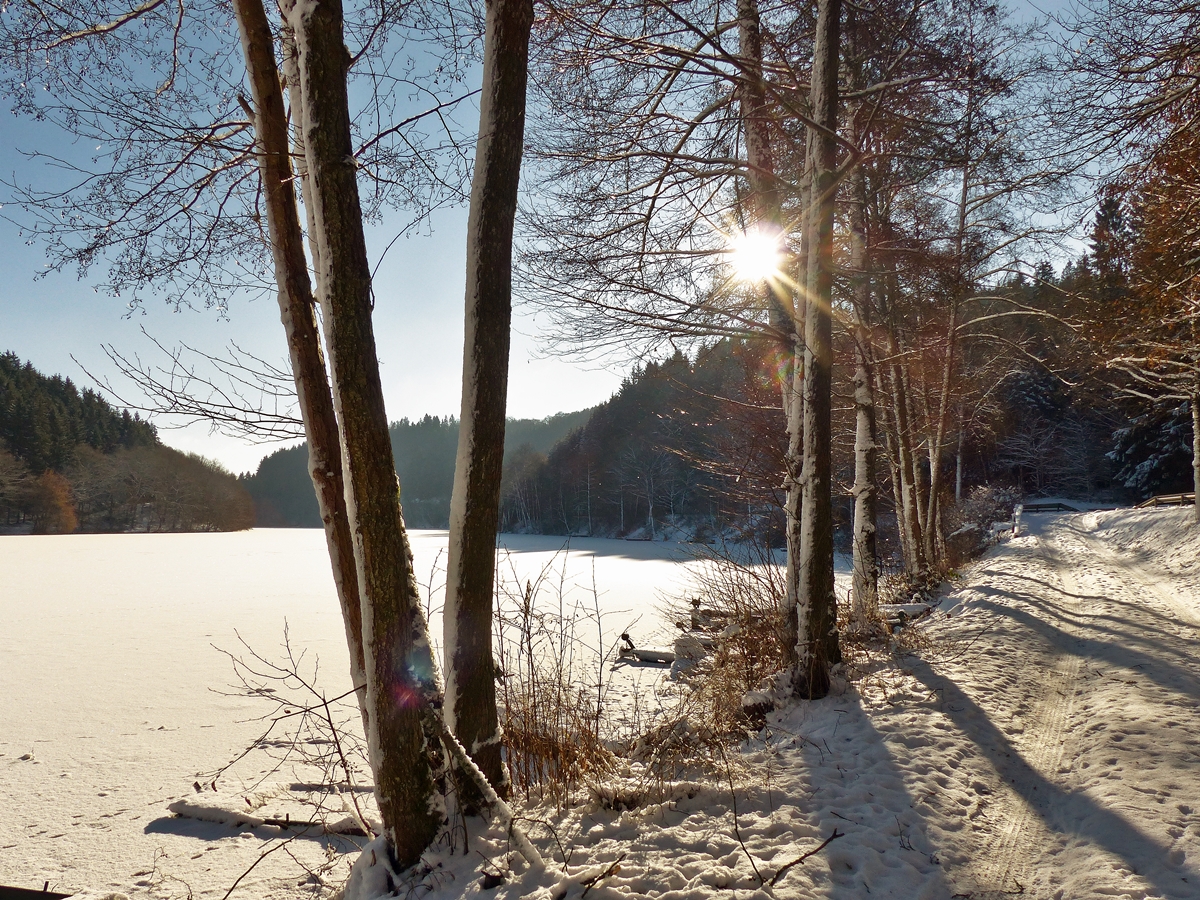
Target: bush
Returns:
[[51, 505]]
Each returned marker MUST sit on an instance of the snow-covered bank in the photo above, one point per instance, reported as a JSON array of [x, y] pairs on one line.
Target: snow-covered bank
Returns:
[[1041, 741]]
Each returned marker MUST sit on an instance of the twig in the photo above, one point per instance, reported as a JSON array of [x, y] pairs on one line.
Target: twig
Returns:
[[261, 857], [337, 745], [519, 838], [613, 868], [795, 862], [737, 831]]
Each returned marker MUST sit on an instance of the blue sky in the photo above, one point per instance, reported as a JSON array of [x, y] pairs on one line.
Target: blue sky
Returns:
[[418, 323]]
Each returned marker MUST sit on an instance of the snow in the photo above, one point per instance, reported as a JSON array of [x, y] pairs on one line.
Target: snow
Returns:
[[112, 691], [1038, 736]]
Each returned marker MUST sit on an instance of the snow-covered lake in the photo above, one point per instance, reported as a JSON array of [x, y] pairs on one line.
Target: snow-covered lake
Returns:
[[111, 683]]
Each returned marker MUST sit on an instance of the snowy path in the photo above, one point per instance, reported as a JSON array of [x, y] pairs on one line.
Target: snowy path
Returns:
[[1075, 716], [1042, 743]]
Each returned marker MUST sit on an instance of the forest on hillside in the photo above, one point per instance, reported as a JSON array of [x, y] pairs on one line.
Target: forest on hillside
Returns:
[[424, 450], [70, 462], [691, 446]]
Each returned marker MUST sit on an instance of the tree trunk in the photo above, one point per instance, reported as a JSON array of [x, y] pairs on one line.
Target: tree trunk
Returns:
[[816, 608], [914, 554], [865, 585], [938, 437], [958, 459], [1196, 455], [766, 218], [764, 203], [298, 313], [474, 507], [918, 481], [887, 430], [402, 684]]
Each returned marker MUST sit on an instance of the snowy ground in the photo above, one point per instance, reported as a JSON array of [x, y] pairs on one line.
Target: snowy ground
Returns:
[[111, 687], [1042, 741]]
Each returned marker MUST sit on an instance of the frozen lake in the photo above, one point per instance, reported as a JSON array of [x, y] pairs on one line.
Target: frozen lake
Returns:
[[111, 686]]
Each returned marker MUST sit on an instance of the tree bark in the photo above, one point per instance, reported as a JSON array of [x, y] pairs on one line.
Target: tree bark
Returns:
[[1196, 452], [865, 581], [900, 443], [402, 684], [865, 584], [938, 436], [817, 646], [764, 202], [885, 429], [475, 502], [958, 459], [766, 218], [937, 439], [298, 313]]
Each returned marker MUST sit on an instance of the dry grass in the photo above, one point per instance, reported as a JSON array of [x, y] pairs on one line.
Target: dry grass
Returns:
[[551, 688]]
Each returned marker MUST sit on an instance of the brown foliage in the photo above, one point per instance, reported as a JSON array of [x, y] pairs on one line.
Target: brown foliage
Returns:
[[51, 505]]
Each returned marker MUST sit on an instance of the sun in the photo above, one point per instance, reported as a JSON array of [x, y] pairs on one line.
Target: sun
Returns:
[[755, 256]]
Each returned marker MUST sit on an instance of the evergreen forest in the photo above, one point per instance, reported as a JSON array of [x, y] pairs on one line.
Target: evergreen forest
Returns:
[[70, 462]]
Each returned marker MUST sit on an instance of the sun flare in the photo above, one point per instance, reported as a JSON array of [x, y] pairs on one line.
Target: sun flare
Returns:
[[755, 256]]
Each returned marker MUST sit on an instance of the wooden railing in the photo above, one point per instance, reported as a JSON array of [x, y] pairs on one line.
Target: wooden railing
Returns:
[[1187, 499]]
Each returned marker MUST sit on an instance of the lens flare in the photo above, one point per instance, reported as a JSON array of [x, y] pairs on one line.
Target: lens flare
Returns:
[[755, 256]]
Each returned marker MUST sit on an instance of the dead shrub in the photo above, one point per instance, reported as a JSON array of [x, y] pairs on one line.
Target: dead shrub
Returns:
[[733, 628], [551, 689]]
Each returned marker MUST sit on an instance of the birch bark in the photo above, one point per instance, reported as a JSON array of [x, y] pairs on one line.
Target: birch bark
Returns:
[[865, 580], [865, 584]]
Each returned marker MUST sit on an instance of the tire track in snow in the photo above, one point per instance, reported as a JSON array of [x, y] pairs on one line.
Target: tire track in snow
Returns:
[[1006, 866], [1099, 786], [1139, 642]]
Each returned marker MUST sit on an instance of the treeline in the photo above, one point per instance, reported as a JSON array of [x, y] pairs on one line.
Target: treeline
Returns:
[[684, 447], [424, 450], [69, 461], [693, 446]]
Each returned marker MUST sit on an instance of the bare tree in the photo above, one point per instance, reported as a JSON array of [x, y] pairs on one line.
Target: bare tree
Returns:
[[475, 503], [816, 606]]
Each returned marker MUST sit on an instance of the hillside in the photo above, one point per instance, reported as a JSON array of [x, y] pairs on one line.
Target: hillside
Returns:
[[69, 461], [424, 450]]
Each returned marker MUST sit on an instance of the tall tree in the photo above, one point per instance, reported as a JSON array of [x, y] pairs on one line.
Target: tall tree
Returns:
[[403, 692], [475, 503], [154, 221], [817, 648], [297, 308]]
